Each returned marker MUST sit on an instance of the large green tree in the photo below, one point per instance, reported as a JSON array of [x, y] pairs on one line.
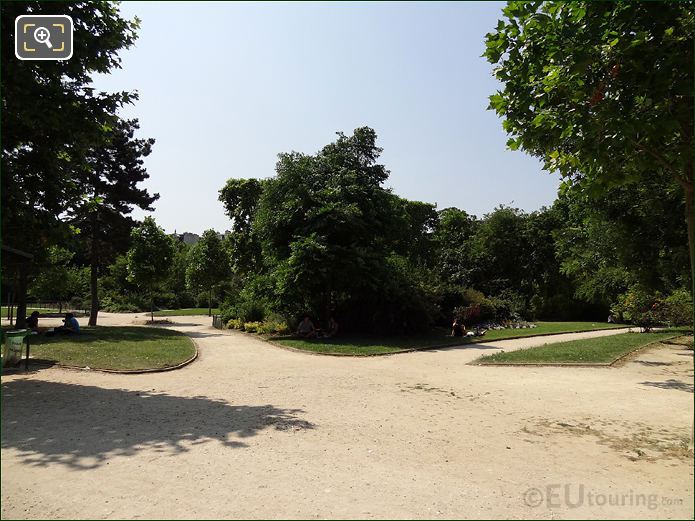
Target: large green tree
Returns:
[[149, 258], [240, 200], [333, 239], [452, 236], [601, 91], [51, 118], [208, 264], [58, 280], [109, 183], [631, 235]]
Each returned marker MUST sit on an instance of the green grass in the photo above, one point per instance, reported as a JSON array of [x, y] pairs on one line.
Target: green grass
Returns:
[[601, 350], [117, 348], [185, 312], [371, 345], [29, 311]]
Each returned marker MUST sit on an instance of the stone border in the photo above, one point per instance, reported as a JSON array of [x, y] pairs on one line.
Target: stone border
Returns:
[[135, 371], [613, 363]]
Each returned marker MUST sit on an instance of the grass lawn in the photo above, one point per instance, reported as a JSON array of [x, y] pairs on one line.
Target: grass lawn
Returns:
[[119, 348], [602, 350], [30, 310], [184, 312], [371, 345]]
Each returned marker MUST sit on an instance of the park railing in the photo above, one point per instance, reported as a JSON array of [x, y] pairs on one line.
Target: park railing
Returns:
[[9, 309]]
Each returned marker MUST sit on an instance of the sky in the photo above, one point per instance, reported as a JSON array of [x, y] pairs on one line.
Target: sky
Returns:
[[225, 87]]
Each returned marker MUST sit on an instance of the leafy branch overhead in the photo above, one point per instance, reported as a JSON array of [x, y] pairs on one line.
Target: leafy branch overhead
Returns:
[[601, 91]]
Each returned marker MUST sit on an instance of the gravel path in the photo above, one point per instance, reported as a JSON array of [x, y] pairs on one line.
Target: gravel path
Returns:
[[254, 431]]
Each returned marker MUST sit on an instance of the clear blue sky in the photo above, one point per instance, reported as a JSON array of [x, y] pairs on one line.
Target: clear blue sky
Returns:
[[225, 87]]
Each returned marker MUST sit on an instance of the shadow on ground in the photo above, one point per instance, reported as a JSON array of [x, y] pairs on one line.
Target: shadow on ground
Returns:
[[84, 426], [671, 384], [204, 334], [650, 363], [35, 365]]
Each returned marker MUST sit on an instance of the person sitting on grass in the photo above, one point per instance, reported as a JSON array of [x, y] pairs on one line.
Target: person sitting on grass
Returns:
[[33, 321], [70, 326], [332, 328], [306, 328]]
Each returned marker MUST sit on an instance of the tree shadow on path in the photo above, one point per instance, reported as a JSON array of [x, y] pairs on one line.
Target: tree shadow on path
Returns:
[[677, 385], [84, 426]]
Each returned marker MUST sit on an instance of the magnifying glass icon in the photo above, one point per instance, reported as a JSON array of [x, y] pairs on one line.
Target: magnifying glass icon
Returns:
[[42, 35]]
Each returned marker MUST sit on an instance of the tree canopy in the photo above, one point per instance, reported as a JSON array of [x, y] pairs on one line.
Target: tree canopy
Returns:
[[57, 133], [149, 258], [601, 91], [208, 264]]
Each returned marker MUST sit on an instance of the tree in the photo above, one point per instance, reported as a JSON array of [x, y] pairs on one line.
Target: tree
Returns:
[[499, 252], [630, 236], [176, 282], [149, 258], [332, 238], [110, 187], [452, 237], [326, 225], [601, 91], [240, 200], [417, 236], [51, 118], [207, 264], [58, 280]]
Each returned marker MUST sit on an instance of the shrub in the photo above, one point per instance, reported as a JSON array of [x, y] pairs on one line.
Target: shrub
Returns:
[[252, 327], [677, 308], [509, 305], [235, 323], [282, 328], [641, 307], [272, 327], [244, 310], [265, 328], [479, 308], [122, 304]]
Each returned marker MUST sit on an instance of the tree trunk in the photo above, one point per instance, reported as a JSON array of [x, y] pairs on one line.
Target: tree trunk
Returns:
[[210, 302], [94, 273], [690, 219], [9, 303], [151, 308], [94, 292], [21, 296]]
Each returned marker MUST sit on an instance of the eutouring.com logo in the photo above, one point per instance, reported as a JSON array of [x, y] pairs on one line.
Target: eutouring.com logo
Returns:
[[570, 495]]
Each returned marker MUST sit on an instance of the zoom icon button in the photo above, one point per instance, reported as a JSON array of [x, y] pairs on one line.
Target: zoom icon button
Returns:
[[43, 37]]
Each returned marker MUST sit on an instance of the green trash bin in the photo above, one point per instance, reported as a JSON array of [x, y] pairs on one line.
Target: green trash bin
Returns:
[[12, 348]]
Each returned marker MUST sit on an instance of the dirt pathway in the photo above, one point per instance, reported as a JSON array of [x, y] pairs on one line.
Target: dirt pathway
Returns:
[[254, 431]]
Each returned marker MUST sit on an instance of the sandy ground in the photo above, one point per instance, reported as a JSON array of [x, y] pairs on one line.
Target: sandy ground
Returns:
[[253, 431]]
